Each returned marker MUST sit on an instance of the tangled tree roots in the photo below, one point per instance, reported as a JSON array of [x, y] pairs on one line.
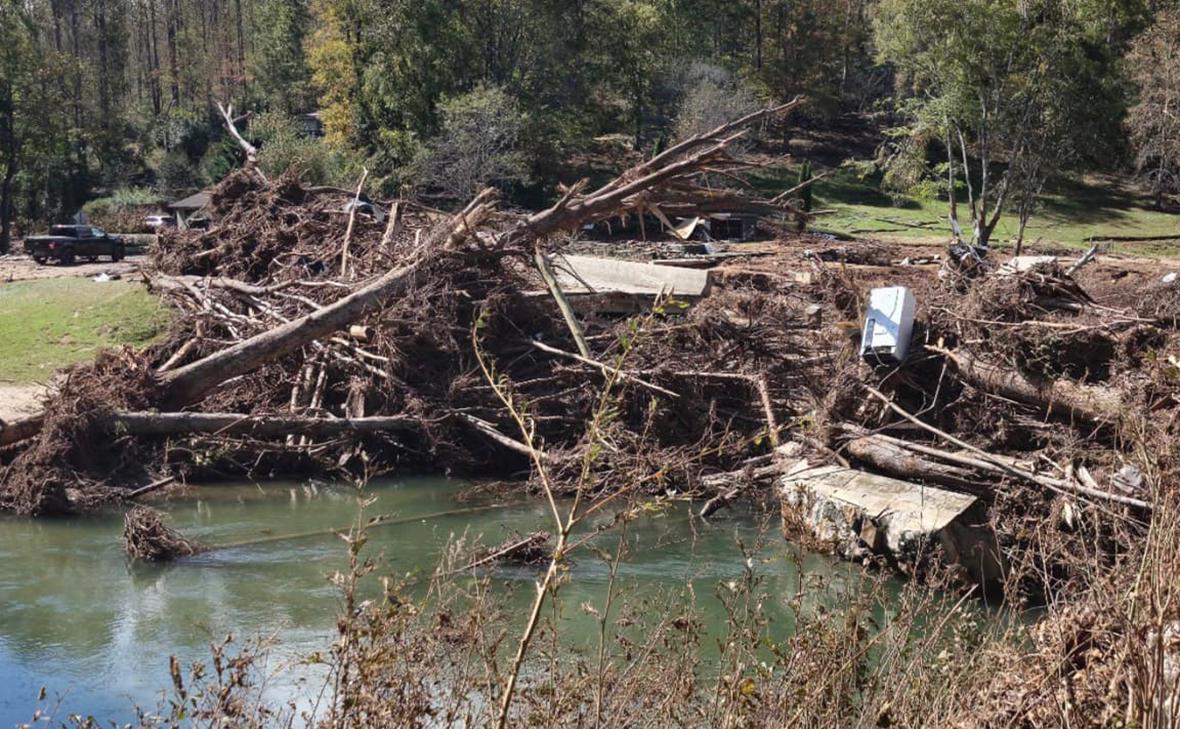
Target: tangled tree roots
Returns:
[[147, 537], [70, 464]]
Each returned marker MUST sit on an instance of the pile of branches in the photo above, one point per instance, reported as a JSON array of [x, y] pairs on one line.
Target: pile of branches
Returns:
[[1057, 411], [313, 338], [147, 537]]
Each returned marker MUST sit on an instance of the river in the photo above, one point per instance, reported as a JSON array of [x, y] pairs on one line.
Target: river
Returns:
[[97, 633]]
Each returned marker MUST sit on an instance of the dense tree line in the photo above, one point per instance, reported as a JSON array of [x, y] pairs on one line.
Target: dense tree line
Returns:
[[97, 95], [100, 94]]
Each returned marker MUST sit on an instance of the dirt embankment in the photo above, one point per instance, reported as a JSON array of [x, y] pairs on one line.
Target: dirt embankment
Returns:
[[19, 400]]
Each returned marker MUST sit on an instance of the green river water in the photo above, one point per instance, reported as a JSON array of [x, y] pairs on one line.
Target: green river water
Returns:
[[77, 619]]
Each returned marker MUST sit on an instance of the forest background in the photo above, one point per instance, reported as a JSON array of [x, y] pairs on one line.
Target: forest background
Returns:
[[112, 103]]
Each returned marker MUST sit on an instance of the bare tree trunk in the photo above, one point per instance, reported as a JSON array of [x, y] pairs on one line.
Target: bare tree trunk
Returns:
[[104, 70], [241, 70], [950, 178], [1056, 397], [6, 206], [76, 33], [154, 60], [173, 23], [163, 424], [758, 34], [7, 103]]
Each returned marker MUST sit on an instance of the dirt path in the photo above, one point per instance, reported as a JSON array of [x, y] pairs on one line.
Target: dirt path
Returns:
[[23, 268], [19, 400]]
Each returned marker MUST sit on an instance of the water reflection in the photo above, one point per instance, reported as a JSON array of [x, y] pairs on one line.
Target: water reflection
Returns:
[[77, 618]]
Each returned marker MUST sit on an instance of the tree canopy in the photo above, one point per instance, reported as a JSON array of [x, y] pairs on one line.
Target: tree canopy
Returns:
[[1013, 92], [97, 95]]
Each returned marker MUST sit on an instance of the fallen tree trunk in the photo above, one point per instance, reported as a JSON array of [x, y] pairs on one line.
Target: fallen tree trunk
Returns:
[[22, 429], [161, 424], [1056, 397], [893, 460]]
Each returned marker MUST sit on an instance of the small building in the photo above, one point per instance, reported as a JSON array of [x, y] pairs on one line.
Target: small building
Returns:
[[191, 211], [717, 226], [732, 226]]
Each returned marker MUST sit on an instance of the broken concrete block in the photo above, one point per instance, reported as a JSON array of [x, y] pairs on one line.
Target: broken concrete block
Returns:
[[1020, 264], [587, 274], [858, 514]]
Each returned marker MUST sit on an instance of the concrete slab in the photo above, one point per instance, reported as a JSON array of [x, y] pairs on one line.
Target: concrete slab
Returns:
[[858, 514], [589, 274]]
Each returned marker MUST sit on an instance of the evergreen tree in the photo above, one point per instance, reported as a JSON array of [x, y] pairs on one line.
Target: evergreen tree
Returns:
[[281, 74]]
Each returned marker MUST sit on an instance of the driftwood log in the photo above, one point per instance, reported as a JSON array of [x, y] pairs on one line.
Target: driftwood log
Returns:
[[1060, 397], [894, 460], [185, 423]]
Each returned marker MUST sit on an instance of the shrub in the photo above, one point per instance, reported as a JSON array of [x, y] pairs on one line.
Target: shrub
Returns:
[[284, 149], [176, 174], [477, 146], [122, 210]]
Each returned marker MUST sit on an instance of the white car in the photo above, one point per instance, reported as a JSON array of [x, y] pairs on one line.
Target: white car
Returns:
[[155, 222]]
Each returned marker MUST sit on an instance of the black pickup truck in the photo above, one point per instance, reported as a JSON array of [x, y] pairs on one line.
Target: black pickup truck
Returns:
[[67, 243]]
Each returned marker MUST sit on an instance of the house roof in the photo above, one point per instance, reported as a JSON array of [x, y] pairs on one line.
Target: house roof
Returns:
[[192, 202]]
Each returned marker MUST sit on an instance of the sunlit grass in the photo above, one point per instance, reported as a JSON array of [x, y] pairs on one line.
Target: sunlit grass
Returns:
[[1070, 214], [46, 325]]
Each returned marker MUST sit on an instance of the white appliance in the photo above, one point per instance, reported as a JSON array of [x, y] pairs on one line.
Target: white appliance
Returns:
[[888, 325]]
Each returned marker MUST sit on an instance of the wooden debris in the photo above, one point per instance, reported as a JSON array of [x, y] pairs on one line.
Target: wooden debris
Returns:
[[531, 549], [147, 537]]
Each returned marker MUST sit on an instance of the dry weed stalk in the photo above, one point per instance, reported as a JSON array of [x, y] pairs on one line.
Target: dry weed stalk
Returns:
[[563, 524]]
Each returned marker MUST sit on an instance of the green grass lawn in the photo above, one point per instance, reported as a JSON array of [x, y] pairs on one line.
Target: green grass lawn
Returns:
[[45, 325], [1069, 215]]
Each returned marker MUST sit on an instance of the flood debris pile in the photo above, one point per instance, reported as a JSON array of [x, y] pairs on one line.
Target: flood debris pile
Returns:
[[315, 336], [1053, 406], [310, 339], [147, 537]]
